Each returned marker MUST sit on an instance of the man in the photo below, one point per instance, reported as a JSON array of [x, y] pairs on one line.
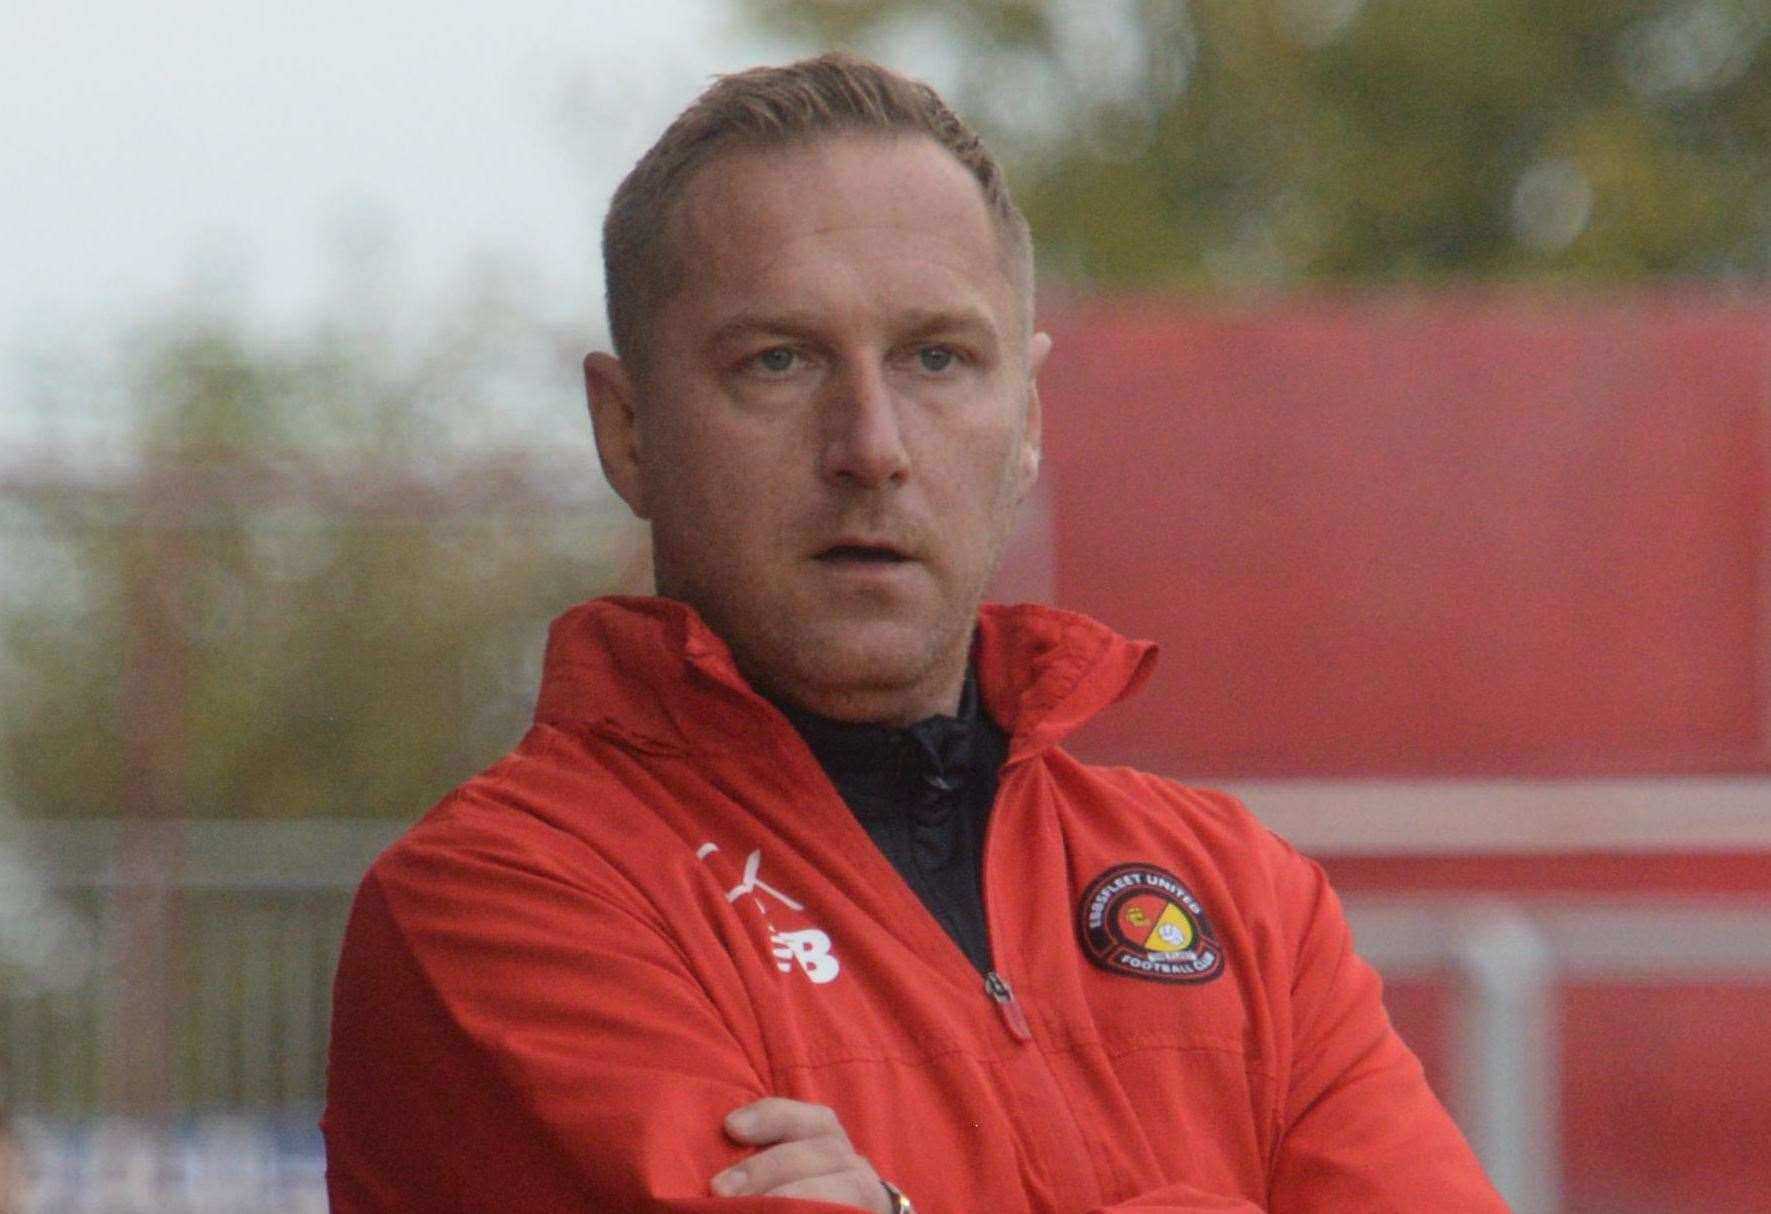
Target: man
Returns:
[[791, 891]]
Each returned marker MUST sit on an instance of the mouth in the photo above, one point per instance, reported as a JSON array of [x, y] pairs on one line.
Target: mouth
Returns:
[[861, 555]]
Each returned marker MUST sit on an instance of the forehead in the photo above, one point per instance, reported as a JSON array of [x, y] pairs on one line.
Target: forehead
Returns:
[[847, 218]]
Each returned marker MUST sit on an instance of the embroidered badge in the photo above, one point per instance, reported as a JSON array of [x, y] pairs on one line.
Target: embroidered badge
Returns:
[[1140, 920]]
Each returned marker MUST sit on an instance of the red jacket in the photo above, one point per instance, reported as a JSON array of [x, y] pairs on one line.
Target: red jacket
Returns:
[[657, 908]]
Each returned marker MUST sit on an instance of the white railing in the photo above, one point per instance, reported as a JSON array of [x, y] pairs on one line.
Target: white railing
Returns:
[[1509, 958]]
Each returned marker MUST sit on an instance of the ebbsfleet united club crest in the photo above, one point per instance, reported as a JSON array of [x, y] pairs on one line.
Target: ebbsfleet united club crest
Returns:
[[1140, 920]]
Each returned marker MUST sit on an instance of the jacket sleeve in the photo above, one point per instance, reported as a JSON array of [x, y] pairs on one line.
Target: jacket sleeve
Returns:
[[506, 1039], [1182, 1199], [1362, 1131]]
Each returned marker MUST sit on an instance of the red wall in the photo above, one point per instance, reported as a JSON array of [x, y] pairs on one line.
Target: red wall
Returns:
[[1457, 535]]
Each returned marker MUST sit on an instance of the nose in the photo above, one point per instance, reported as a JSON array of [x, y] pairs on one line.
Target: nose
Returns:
[[863, 431]]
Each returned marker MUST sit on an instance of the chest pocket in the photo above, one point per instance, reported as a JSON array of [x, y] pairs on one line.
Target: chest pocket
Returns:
[[1162, 968]]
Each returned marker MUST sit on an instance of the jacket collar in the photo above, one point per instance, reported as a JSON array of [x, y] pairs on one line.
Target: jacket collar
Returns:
[[649, 674]]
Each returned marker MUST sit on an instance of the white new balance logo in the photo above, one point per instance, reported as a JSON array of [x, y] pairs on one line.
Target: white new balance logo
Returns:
[[809, 947]]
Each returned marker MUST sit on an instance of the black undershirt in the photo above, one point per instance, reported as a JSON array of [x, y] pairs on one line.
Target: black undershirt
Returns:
[[923, 793]]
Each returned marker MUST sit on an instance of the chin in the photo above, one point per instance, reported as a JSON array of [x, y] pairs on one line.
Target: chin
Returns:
[[875, 672]]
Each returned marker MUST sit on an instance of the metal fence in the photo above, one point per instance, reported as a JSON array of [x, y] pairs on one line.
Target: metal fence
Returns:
[[164, 1014], [174, 971], [196, 1085]]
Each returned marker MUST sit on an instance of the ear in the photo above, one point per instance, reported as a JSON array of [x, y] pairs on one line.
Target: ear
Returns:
[[1032, 433], [609, 390]]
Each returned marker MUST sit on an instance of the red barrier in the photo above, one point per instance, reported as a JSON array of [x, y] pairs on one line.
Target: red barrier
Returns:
[[1488, 533]]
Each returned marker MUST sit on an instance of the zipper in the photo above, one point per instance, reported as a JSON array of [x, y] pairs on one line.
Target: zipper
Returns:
[[1014, 1016], [1082, 1180], [1055, 1126], [996, 987]]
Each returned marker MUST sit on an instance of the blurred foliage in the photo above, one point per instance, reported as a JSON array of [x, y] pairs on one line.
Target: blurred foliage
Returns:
[[302, 587], [1259, 144]]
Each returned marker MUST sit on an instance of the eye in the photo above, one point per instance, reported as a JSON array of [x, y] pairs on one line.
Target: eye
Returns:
[[935, 359], [777, 360]]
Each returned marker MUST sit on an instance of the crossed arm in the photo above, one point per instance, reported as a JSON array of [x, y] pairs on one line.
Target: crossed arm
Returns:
[[478, 1062], [803, 1152]]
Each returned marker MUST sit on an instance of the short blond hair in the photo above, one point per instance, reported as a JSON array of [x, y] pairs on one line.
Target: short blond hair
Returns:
[[772, 108]]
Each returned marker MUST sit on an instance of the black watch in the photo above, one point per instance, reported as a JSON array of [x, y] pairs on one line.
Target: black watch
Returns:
[[895, 1195]]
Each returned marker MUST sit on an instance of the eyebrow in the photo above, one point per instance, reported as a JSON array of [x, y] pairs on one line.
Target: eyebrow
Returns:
[[764, 324], [970, 321], [914, 323]]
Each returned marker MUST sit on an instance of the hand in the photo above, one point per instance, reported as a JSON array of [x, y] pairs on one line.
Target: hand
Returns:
[[807, 1155]]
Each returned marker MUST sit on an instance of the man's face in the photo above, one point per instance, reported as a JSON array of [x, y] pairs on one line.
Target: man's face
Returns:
[[835, 422]]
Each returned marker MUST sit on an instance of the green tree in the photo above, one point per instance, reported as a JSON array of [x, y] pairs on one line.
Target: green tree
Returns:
[[1270, 143], [301, 587]]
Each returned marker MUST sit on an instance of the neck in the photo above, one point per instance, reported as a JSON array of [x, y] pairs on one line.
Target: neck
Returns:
[[866, 705]]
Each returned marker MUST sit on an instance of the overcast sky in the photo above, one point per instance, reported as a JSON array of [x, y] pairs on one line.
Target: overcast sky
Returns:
[[146, 145]]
